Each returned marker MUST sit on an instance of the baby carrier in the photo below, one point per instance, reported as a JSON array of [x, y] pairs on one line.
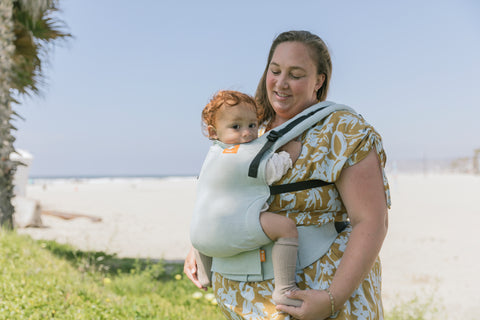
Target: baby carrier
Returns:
[[232, 190]]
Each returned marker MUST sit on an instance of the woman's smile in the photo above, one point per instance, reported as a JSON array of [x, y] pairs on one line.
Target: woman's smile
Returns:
[[281, 96]]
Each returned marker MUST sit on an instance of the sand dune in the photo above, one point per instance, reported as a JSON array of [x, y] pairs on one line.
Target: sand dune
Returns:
[[431, 249]]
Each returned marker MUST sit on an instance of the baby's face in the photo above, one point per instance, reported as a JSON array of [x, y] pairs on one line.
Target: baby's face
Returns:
[[237, 124]]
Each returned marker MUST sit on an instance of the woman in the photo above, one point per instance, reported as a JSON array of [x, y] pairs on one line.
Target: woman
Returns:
[[345, 281]]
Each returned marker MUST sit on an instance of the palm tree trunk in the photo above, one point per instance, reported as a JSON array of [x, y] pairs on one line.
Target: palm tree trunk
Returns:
[[7, 167]]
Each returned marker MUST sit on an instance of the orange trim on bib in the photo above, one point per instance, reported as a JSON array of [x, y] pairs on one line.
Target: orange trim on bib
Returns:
[[233, 149]]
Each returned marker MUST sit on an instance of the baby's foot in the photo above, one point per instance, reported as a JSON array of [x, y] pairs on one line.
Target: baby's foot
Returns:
[[279, 297]]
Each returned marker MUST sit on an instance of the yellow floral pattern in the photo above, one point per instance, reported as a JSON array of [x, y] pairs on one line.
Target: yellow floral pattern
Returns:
[[340, 140]]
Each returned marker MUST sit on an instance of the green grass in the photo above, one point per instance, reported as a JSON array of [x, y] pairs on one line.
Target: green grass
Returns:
[[425, 308], [48, 280]]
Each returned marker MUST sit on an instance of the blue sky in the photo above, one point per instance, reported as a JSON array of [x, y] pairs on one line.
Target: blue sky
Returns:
[[124, 96]]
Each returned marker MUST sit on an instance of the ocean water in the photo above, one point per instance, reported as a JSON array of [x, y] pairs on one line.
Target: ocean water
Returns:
[[98, 179]]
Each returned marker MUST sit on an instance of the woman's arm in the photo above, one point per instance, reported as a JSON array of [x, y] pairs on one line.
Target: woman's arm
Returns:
[[363, 194], [190, 269], [362, 191]]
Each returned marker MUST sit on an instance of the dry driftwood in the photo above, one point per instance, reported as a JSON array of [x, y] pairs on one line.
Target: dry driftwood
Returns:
[[70, 216]]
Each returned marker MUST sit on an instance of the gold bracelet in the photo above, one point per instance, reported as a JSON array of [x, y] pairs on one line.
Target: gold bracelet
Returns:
[[332, 301]]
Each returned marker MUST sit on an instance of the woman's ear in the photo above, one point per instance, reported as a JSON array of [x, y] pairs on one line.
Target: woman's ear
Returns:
[[212, 133], [320, 81]]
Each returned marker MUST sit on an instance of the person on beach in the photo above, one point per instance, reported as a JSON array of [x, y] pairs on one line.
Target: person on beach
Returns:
[[231, 117], [345, 281]]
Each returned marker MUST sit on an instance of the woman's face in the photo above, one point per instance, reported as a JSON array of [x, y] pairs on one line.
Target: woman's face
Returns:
[[292, 81]]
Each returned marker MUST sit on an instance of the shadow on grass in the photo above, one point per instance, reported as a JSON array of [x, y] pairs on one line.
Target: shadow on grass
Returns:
[[110, 264]]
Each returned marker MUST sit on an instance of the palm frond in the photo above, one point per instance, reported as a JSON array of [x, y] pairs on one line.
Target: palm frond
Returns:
[[36, 28], [37, 8]]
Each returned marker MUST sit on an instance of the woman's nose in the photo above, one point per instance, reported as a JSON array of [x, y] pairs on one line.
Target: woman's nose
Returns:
[[282, 82]]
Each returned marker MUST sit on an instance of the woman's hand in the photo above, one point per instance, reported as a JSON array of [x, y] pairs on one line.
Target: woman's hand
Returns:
[[316, 305], [190, 269]]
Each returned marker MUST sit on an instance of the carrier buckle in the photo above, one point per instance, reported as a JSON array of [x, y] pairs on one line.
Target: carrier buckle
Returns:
[[273, 136]]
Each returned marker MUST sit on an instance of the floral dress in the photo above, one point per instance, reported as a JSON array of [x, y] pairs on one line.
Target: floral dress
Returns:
[[340, 140]]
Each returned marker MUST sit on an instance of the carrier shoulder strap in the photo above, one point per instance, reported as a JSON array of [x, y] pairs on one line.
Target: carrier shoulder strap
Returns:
[[297, 186], [286, 132]]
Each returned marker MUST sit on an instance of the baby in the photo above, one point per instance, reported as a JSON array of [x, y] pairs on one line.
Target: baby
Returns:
[[232, 118]]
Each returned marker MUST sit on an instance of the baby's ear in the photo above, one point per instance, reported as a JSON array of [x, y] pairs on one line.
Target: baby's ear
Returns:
[[212, 133]]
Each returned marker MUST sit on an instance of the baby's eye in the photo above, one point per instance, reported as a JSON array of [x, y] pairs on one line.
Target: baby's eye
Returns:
[[252, 125], [236, 127]]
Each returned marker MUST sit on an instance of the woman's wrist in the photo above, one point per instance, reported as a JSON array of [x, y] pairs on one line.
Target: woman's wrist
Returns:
[[332, 301]]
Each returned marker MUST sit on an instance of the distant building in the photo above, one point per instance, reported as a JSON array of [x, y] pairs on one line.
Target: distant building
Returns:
[[462, 165], [476, 161]]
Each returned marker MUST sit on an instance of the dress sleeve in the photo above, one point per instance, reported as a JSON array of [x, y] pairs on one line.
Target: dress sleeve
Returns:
[[342, 140]]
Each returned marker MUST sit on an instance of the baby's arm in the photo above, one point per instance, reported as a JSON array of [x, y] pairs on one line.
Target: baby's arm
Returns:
[[281, 161]]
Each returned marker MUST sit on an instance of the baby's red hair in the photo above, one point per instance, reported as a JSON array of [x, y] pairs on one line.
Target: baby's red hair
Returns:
[[224, 97]]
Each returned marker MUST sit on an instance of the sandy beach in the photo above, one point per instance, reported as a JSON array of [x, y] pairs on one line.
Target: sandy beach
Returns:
[[429, 251]]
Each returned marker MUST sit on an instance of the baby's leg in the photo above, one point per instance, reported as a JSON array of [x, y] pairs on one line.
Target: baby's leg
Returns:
[[284, 232]]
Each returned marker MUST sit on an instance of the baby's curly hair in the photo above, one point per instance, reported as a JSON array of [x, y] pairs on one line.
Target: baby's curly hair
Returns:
[[224, 97]]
